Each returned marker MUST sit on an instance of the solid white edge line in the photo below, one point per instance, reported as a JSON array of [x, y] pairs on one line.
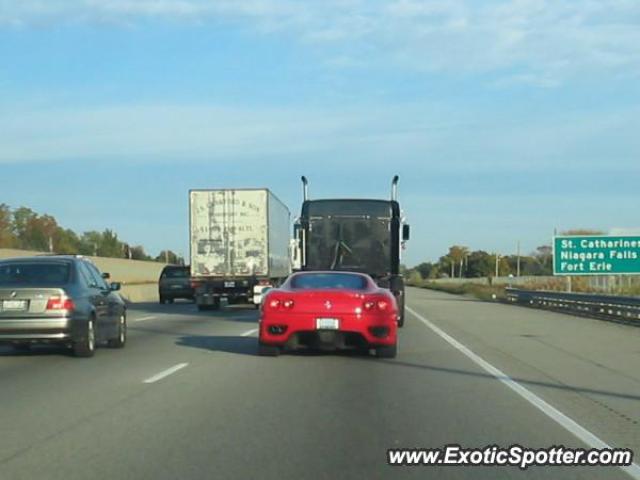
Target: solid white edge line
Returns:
[[572, 426], [142, 319], [165, 373], [249, 332]]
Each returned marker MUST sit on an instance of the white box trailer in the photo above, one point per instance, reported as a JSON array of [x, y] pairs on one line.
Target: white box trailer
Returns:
[[239, 242]]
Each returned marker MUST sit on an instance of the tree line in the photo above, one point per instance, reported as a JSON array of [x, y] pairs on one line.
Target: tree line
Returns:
[[24, 229], [461, 262]]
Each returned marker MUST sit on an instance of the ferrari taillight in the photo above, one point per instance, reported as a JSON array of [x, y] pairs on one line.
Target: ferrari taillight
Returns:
[[276, 303], [382, 305], [60, 303], [378, 304], [288, 304]]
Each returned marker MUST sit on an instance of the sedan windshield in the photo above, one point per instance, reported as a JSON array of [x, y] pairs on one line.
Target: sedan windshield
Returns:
[[328, 281], [34, 274]]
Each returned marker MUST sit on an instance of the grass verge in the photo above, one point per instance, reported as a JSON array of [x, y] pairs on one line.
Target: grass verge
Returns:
[[481, 292]]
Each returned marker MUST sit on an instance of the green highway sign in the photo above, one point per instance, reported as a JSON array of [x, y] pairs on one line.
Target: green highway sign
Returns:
[[596, 255]]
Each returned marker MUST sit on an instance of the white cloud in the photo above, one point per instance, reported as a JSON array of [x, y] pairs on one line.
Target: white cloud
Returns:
[[545, 42]]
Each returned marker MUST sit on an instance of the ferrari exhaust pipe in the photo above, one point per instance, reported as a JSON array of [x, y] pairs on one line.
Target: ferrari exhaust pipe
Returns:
[[305, 188], [394, 188]]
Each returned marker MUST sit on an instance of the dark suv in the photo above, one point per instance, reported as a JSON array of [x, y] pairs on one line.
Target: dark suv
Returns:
[[175, 282], [60, 299]]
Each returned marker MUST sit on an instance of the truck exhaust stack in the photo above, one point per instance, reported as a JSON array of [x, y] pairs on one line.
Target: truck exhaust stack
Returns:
[[305, 188], [394, 188]]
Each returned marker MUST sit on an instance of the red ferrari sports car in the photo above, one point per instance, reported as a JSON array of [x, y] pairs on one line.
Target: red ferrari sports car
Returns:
[[329, 310]]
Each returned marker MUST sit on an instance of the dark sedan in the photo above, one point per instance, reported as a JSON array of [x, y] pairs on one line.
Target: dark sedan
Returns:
[[59, 299]]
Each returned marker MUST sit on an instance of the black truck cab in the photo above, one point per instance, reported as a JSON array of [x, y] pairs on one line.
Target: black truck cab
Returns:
[[357, 235]]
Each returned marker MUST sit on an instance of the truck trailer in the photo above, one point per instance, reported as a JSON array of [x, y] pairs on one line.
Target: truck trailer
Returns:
[[359, 235], [239, 244]]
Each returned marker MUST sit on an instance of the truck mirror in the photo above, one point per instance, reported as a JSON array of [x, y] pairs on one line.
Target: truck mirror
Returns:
[[406, 230]]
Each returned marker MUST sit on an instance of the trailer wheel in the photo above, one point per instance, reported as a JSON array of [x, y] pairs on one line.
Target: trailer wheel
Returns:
[[400, 311]]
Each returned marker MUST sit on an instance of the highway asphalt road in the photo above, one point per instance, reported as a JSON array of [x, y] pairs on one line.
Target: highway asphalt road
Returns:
[[188, 398]]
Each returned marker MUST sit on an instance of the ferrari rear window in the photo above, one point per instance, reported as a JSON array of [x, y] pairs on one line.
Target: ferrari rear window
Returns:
[[34, 274], [329, 280]]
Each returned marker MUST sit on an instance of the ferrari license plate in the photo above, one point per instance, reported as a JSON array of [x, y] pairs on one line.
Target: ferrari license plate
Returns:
[[327, 324], [14, 305]]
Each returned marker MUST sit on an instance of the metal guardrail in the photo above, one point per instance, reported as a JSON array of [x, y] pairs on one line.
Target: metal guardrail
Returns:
[[608, 307]]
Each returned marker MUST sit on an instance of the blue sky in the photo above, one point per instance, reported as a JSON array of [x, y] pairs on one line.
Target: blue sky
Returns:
[[505, 119]]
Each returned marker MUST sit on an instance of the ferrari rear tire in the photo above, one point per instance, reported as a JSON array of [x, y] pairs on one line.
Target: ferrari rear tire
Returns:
[[268, 350], [387, 351]]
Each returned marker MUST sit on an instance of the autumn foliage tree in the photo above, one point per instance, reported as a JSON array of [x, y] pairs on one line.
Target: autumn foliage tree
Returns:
[[25, 229]]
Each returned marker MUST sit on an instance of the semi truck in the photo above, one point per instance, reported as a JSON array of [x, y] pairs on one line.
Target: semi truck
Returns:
[[360, 235], [239, 244]]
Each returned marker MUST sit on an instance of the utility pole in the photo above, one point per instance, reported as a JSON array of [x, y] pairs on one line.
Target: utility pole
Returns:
[[497, 264], [166, 256], [518, 262], [50, 244]]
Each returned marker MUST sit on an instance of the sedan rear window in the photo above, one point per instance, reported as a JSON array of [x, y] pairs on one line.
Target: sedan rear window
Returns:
[[34, 274], [176, 273], [329, 280]]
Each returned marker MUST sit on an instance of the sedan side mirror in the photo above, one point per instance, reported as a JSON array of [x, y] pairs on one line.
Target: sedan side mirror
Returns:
[[115, 286], [106, 276]]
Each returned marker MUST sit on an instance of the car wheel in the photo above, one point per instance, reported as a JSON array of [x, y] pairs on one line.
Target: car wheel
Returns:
[[387, 351], [162, 300], [268, 350], [87, 346], [169, 300], [121, 339]]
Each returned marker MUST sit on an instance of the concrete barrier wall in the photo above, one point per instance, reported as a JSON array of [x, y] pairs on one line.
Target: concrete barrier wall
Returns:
[[143, 293], [139, 279], [121, 269]]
